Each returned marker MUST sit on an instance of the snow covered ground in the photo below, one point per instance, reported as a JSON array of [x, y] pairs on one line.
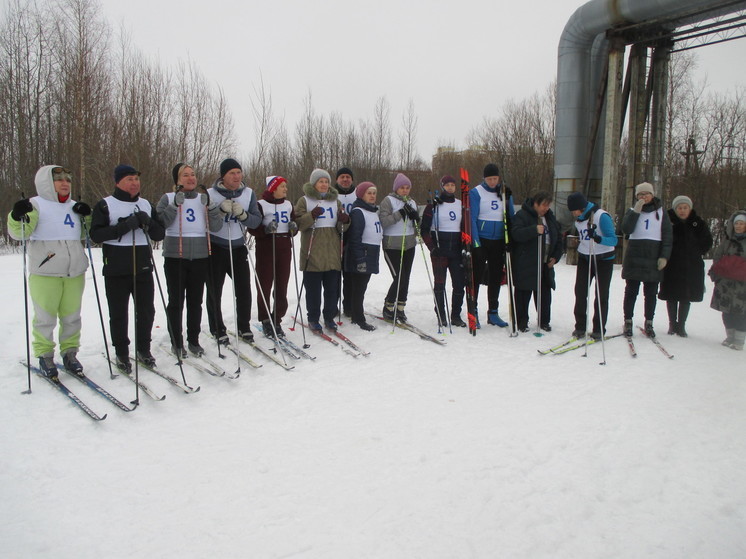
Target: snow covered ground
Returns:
[[481, 448]]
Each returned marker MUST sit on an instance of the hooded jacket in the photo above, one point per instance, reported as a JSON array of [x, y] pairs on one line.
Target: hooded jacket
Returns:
[[54, 232], [325, 254], [729, 271]]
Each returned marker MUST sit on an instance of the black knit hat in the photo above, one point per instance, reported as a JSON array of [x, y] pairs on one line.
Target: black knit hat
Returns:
[[491, 170], [345, 171], [175, 171], [227, 165], [576, 201], [122, 171]]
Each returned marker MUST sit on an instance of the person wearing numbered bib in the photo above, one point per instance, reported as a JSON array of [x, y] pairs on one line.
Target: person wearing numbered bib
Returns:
[[346, 192], [321, 221], [119, 224], [239, 210], [441, 232], [596, 250], [274, 253], [362, 249], [650, 236], [398, 214], [185, 254], [52, 224]]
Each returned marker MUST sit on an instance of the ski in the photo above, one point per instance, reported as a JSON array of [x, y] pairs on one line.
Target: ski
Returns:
[[268, 354], [407, 326], [557, 347], [292, 346], [583, 343], [631, 346], [657, 343], [67, 392], [97, 389], [243, 357], [180, 385], [144, 387], [352, 344], [471, 301], [287, 350], [324, 336]]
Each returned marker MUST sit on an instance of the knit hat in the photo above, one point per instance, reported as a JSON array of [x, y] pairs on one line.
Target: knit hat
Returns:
[[317, 174], [345, 171], [682, 200], [273, 182], [739, 217], [491, 170], [227, 165], [401, 180], [122, 171], [576, 201], [363, 187], [644, 187], [445, 179], [176, 170]]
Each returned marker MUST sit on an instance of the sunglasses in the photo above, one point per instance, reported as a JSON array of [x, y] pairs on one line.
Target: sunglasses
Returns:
[[60, 173]]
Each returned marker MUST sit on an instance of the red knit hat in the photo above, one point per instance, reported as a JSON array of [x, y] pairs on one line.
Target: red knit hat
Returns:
[[274, 182]]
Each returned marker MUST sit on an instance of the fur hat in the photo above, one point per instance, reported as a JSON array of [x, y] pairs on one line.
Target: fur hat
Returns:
[[363, 187], [317, 174], [228, 165], [122, 171], [491, 170], [682, 200], [401, 180], [644, 187], [576, 201]]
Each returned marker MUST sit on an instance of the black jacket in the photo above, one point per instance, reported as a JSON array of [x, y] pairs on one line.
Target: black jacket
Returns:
[[684, 275], [118, 259], [525, 247], [360, 257]]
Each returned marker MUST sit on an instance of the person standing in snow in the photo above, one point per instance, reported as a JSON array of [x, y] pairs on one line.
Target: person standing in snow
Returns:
[[729, 274], [684, 275], [52, 223], [650, 238], [441, 232], [362, 249], [346, 194], [488, 215], [125, 223], [188, 220], [321, 221], [274, 253], [238, 205], [532, 222], [596, 253], [398, 214]]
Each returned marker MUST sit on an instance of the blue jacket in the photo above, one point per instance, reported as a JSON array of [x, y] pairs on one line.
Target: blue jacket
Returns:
[[604, 227], [487, 229]]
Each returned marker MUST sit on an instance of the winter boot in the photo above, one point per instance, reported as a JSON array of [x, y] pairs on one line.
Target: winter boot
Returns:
[[146, 358], [494, 319], [457, 321], [628, 327], [739, 337], [366, 326], [196, 349], [71, 363], [578, 333], [246, 335], [673, 328], [179, 352], [330, 325], [681, 329], [280, 331], [315, 326], [267, 329], [223, 339], [649, 332], [400, 316], [47, 366], [123, 363], [729, 333], [388, 311]]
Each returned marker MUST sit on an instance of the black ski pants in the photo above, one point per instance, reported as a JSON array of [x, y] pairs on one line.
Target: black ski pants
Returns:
[[185, 280], [490, 255], [119, 289], [399, 266], [650, 293], [601, 270], [220, 267]]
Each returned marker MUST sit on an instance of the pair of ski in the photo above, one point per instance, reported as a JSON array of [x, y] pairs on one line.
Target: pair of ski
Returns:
[[412, 328], [269, 354], [349, 347], [572, 344], [290, 348], [654, 340]]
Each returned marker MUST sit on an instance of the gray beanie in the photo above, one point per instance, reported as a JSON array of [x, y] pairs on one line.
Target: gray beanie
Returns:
[[319, 174], [682, 200], [644, 187]]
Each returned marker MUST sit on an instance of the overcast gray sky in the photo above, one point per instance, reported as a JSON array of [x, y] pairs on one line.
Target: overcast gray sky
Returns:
[[458, 60]]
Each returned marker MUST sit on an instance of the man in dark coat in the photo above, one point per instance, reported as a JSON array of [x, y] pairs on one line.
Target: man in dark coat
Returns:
[[535, 228], [684, 276]]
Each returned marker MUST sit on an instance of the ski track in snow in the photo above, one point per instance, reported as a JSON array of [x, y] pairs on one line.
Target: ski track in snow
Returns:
[[478, 449]]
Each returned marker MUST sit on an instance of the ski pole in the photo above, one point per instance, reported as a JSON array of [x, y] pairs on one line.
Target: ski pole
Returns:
[[298, 292], [588, 305], [509, 268], [539, 269], [211, 277], [25, 301], [398, 275], [427, 268], [134, 303], [235, 303], [598, 304]]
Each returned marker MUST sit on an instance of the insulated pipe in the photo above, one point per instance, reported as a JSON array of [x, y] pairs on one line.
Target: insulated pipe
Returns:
[[579, 63]]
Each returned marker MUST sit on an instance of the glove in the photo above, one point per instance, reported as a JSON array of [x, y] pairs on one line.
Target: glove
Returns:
[[404, 213], [143, 219], [20, 209], [638, 206], [127, 224], [271, 228], [508, 192], [413, 214], [292, 228], [343, 217], [594, 234], [81, 208], [226, 206], [662, 263], [317, 211], [204, 199], [238, 212], [437, 201], [179, 199]]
